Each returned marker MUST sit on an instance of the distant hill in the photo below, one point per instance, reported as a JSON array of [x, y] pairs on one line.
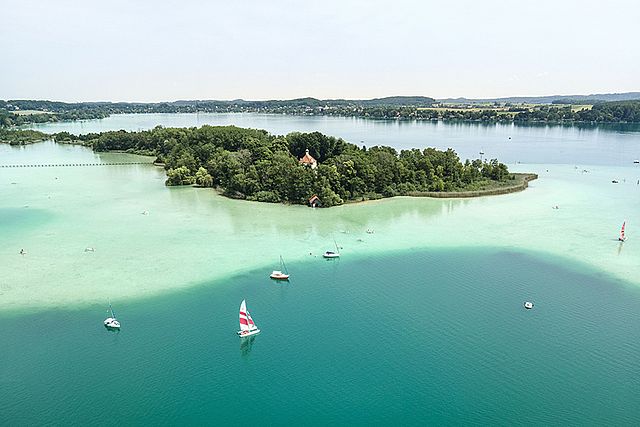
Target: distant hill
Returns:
[[550, 99], [419, 101]]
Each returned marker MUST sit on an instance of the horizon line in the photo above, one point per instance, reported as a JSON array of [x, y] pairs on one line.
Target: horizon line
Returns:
[[330, 99]]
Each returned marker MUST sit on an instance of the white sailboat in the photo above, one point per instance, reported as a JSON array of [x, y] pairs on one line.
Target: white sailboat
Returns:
[[278, 274], [111, 322], [247, 326], [332, 254]]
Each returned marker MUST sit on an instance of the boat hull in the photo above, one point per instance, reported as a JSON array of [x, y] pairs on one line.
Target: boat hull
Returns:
[[279, 276], [244, 334], [330, 255], [111, 323]]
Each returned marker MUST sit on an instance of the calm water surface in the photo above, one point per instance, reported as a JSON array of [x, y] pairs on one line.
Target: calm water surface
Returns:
[[433, 337], [420, 322], [612, 145]]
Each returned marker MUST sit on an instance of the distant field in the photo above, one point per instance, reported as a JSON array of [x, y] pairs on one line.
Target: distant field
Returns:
[[502, 110], [464, 109], [30, 112], [576, 108]]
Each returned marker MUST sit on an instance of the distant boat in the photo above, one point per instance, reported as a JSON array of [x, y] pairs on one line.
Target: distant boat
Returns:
[[636, 161], [622, 237], [278, 274], [528, 305], [481, 153], [247, 326], [111, 322], [331, 254]]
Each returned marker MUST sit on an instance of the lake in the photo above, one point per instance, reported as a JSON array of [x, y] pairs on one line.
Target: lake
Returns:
[[419, 321]]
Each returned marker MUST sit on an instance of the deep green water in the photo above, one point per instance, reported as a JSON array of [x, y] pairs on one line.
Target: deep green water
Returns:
[[428, 337]]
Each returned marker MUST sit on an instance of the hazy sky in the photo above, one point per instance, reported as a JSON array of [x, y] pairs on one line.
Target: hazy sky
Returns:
[[158, 50]]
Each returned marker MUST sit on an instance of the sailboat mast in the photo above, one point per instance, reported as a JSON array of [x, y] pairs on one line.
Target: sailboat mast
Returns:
[[284, 266]]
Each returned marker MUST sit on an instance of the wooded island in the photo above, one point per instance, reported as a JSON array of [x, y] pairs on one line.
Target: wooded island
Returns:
[[255, 165]]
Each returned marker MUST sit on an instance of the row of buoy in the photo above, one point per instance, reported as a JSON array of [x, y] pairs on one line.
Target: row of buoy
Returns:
[[75, 164]]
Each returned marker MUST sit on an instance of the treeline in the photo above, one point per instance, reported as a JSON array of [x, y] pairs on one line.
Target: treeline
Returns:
[[253, 164], [619, 111], [400, 108], [22, 136], [49, 111]]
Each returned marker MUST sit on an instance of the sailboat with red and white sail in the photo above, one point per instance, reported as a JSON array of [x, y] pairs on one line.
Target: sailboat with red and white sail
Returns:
[[622, 237], [247, 325]]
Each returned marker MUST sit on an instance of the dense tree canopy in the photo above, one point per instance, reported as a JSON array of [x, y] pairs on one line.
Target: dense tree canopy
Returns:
[[253, 164]]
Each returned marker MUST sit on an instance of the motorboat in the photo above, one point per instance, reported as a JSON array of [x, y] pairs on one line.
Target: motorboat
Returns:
[[528, 305]]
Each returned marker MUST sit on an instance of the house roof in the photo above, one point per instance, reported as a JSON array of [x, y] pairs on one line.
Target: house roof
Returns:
[[307, 158]]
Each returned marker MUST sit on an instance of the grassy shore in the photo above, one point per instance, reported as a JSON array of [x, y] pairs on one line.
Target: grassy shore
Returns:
[[518, 182]]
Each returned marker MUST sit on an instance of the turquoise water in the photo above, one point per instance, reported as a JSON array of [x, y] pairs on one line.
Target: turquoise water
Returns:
[[429, 336], [421, 321]]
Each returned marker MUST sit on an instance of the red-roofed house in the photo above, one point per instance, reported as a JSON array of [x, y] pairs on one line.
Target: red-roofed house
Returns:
[[308, 160]]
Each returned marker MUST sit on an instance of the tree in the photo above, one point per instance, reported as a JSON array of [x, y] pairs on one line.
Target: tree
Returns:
[[203, 179], [179, 176]]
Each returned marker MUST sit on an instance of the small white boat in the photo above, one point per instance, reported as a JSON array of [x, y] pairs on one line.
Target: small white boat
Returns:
[[89, 249], [111, 322], [247, 326], [278, 274], [622, 237], [332, 254], [636, 161], [528, 305]]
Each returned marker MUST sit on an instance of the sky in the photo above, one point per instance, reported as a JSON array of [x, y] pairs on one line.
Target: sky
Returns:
[[149, 51]]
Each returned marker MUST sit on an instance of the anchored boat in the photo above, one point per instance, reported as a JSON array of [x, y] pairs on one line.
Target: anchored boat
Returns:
[[111, 322], [247, 326], [278, 274], [331, 254]]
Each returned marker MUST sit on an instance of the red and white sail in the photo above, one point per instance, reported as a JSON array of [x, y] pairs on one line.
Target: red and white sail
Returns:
[[252, 326], [246, 322], [622, 231], [244, 319]]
